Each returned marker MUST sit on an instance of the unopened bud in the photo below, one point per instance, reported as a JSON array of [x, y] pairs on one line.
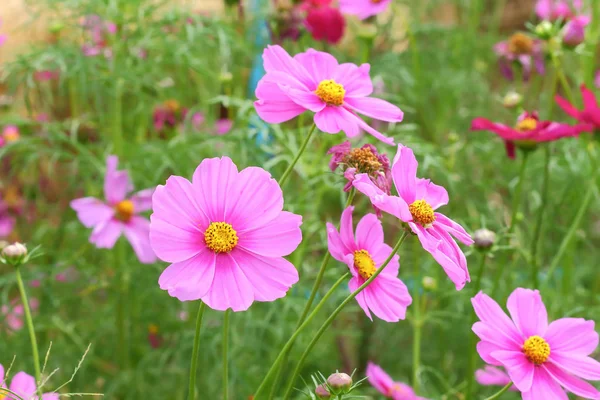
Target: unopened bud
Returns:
[[14, 254], [484, 238], [573, 33], [322, 392], [512, 100], [340, 382], [544, 30], [429, 283]]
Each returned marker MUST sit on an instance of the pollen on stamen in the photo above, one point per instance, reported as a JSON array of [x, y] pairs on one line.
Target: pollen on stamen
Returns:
[[124, 210], [331, 92], [520, 43], [220, 237], [536, 349], [422, 213], [364, 263], [526, 125]]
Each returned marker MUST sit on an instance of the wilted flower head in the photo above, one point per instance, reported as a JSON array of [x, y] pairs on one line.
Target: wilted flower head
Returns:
[[287, 21], [100, 32], [522, 50], [169, 114]]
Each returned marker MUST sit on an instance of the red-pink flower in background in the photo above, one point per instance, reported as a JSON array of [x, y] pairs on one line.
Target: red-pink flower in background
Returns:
[[415, 205], [100, 32], [7, 220], [24, 386], [589, 117], [364, 252], [118, 214], [225, 234], [391, 389], [528, 132], [14, 313], [540, 358], [492, 376], [324, 22], [10, 134], [315, 81], [46, 75], [523, 51], [551, 10], [364, 9]]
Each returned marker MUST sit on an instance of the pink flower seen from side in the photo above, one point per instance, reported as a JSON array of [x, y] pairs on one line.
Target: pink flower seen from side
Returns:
[[540, 358], [226, 235], [415, 205], [391, 389], [364, 9], [589, 116], [364, 251], [523, 51], [315, 81], [118, 214], [492, 376], [24, 386]]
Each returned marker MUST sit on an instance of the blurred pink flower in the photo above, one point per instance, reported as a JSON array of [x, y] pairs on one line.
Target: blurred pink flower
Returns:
[[223, 126], [387, 296], [523, 51], [46, 75], [100, 32], [541, 359], [552, 10], [7, 221], [415, 205], [589, 117], [287, 21], [24, 386], [226, 249], [492, 376], [574, 31], [364, 9], [597, 79], [197, 120], [324, 22], [119, 214], [14, 313], [315, 81], [381, 381], [10, 134], [2, 37]]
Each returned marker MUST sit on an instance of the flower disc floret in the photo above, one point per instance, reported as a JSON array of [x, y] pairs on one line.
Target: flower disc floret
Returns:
[[220, 237], [331, 92]]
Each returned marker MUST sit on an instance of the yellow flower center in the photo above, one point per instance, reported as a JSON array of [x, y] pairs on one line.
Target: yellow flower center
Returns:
[[364, 263], [520, 43], [153, 329], [124, 210], [220, 237], [422, 212], [526, 125], [363, 160], [376, 1], [172, 105], [331, 92], [11, 135], [536, 349]]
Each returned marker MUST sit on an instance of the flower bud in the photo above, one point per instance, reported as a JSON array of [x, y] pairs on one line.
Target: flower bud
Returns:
[[322, 392], [484, 238], [573, 33], [512, 100], [226, 77], [429, 283], [544, 30], [339, 382], [14, 254]]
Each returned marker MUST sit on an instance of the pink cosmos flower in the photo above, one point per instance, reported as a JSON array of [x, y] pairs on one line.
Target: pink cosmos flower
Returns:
[[381, 381], [10, 134], [415, 205], [364, 9], [551, 10], [522, 50], [324, 22], [589, 116], [2, 37], [492, 376], [365, 252], [119, 214], [24, 386], [46, 75], [528, 132], [226, 235], [315, 81], [7, 221], [540, 358], [13, 313], [574, 32]]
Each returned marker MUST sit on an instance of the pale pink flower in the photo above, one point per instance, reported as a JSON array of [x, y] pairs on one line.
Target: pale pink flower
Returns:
[[14, 313], [315, 81], [551, 10], [119, 214], [381, 381], [364, 252], [364, 9], [540, 358], [226, 234], [597, 79], [492, 376], [415, 205], [223, 126], [24, 386], [7, 221]]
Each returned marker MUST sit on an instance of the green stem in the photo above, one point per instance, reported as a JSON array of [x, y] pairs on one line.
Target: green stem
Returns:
[[123, 302], [194, 362], [563, 79], [535, 262], [518, 192], [117, 120], [290, 168], [34, 346], [286, 348], [335, 313], [225, 359], [416, 359], [501, 392]]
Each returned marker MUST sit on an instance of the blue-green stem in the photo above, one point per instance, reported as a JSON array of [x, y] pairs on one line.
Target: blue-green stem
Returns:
[[194, 362], [501, 392], [290, 168], [32, 338], [225, 358], [335, 313], [535, 262]]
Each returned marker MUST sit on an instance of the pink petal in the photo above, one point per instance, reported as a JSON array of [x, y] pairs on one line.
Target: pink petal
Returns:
[[571, 383], [354, 283], [582, 366], [335, 245], [491, 314], [277, 59], [174, 244], [306, 99], [544, 387], [453, 228], [334, 119], [271, 277], [488, 333], [105, 234], [543, 9], [572, 336], [23, 385], [375, 108], [489, 376], [355, 79], [388, 298], [230, 287], [320, 65], [142, 200], [404, 173], [190, 279], [390, 204], [175, 203], [278, 238], [589, 99], [505, 132], [213, 183], [273, 105], [347, 229], [369, 233], [137, 231], [363, 9], [381, 254], [91, 211], [371, 131], [435, 195], [116, 183], [519, 368], [528, 312], [379, 379], [50, 396]]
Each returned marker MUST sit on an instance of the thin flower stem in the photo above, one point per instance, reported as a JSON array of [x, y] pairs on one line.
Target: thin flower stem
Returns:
[[283, 353], [225, 359], [34, 346], [194, 362], [335, 313], [535, 262], [123, 302], [417, 331], [290, 168], [563, 79], [501, 392]]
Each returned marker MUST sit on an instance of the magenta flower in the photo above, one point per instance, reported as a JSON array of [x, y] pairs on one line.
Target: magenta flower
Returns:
[[324, 22], [226, 235], [364, 253], [24, 386], [492, 376], [14, 313], [381, 381], [522, 50], [574, 31], [589, 117], [364, 9], [551, 10], [7, 221], [119, 214], [528, 132], [315, 81], [540, 358], [415, 205], [597, 79], [2, 37]]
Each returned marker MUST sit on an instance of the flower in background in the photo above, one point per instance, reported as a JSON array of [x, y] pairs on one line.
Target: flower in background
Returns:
[[14, 313], [154, 337], [2, 37], [573, 33], [522, 50], [10, 134], [7, 221], [528, 132], [100, 32], [24, 386], [364, 252], [324, 22], [492, 376], [287, 21], [589, 117], [315, 81], [540, 358], [381, 381], [167, 114], [226, 248], [119, 214], [552, 10], [46, 75], [415, 205], [223, 126], [364, 9], [597, 79]]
